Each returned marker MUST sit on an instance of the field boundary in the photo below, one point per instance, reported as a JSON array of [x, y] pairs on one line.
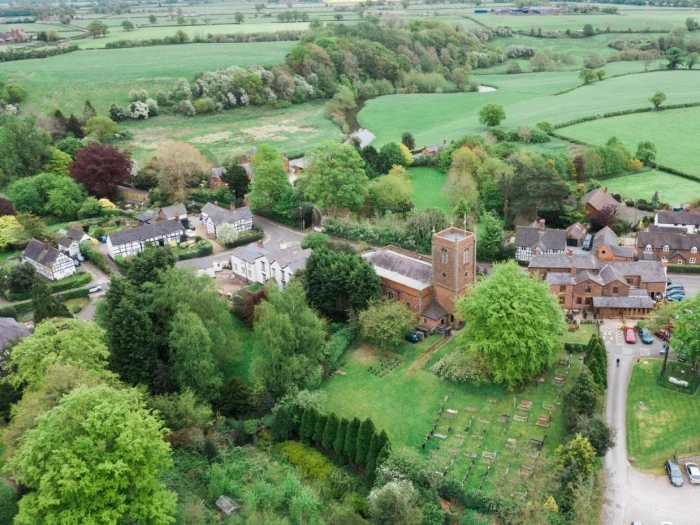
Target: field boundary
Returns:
[[418, 363]]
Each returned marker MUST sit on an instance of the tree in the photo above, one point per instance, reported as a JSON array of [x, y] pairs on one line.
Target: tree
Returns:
[[102, 128], [128, 25], [180, 20], [336, 178], [339, 441], [319, 428], [385, 323], [692, 59], [25, 148], [588, 30], [97, 28], [491, 236], [460, 77], [330, 432], [10, 230], [605, 217], [597, 361], [152, 19], [675, 57], [350, 445], [315, 240], [491, 115], [588, 75], [6, 207], [364, 438], [177, 166], [46, 305], [580, 399], [336, 283], [237, 179], [527, 344], [147, 266], [270, 190], [64, 199], [32, 225], [646, 151], [579, 452], [594, 61], [288, 340], [70, 145], [542, 61], [408, 140], [227, 233], [686, 336], [377, 443], [100, 169], [394, 504], [58, 163], [68, 341], [390, 155], [600, 435], [691, 24], [239, 17], [308, 424], [193, 364], [21, 278], [122, 438], [390, 193]]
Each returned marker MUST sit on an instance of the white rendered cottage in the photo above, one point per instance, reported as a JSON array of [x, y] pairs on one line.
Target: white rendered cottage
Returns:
[[48, 261], [134, 240], [257, 264], [214, 216], [70, 242]]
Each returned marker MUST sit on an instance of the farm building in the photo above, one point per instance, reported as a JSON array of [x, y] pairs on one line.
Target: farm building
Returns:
[[134, 240], [214, 216], [70, 242], [48, 261]]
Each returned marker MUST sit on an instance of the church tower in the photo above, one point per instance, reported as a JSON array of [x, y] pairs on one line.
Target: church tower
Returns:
[[454, 265]]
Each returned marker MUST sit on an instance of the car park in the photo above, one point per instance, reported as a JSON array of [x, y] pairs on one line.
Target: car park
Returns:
[[645, 336], [675, 476], [630, 336], [693, 472]]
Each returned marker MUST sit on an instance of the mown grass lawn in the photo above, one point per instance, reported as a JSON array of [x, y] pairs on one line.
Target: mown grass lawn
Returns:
[[428, 189], [407, 401], [580, 336], [665, 424], [672, 188], [241, 366]]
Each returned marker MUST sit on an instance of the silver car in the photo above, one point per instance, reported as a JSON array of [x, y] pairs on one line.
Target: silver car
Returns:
[[693, 472]]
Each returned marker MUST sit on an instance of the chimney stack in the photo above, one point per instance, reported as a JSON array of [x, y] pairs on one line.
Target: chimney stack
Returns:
[[541, 225], [261, 244], [46, 244], [573, 270]]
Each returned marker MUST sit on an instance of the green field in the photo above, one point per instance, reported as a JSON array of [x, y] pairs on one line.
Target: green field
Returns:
[[671, 188], [106, 76], [660, 422], [220, 135], [428, 189], [674, 132], [406, 402]]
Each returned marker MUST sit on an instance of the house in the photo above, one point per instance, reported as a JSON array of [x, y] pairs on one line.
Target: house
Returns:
[[606, 246], [429, 285], [215, 178], [48, 261], [214, 216], [432, 151], [132, 195], [14, 36], [689, 220], [206, 265], [535, 239], [580, 281], [133, 240], [257, 264], [70, 242], [673, 245], [10, 332], [575, 234], [171, 213], [598, 200], [146, 217]]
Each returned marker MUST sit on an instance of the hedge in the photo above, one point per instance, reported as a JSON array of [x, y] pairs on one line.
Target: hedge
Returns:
[[218, 38], [683, 268], [624, 112], [257, 234], [203, 248], [95, 257], [26, 54], [79, 279], [24, 307], [575, 347]]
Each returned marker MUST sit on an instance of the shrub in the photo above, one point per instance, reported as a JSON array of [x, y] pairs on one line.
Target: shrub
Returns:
[[8, 311], [205, 105], [94, 256], [311, 462]]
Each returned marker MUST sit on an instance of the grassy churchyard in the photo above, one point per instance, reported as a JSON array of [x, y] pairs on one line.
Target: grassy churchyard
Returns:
[[490, 432], [660, 422]]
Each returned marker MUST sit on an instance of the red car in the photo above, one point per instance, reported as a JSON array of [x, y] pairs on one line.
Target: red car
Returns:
[[664, 335], [630, 336]]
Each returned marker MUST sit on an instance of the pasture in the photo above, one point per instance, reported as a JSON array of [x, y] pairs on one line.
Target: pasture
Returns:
[[428, 189], [106, 76], [220, 135], [672, 188], [660, 422]]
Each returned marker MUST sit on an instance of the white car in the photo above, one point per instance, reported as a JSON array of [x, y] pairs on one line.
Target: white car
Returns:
[[95, 289], [693, 472], [190, 233]]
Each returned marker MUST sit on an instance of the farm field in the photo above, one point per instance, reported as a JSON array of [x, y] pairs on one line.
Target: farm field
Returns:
[[673, 131], [292, 130], [106, 76], [660, 422], [406, 401], [672, 189], [428, 189]]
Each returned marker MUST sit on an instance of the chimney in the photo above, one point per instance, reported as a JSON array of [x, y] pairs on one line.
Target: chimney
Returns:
[[46, 244], [261, 244], [233, 203], [573, 270], [541, 225]]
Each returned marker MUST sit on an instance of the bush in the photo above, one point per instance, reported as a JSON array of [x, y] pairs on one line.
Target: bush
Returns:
[[73, 294], [311, 462], [201, 248], [575, 347], [205, 105], [683, 268], [76, 308], [8, 311], [8, 503], [94, 256], [74, 281]]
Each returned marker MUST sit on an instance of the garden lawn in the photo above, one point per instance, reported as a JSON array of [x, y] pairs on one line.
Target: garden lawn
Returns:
[[241, 366], [428, 189], [221, 135], [406, 402], [106, 76], [669, 425], [527, 99], [580, 336], [672, 188], [673, 132]]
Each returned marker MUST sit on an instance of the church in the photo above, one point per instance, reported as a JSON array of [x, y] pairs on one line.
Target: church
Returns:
[[429, 285]]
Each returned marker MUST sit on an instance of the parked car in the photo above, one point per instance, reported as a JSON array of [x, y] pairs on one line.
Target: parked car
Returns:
[[630, 336], [663, 334], [587, 242], [190, 234], [412, 337], [102, 239], [80, 257], [95, 289], [675, 297], [675, 288], [645, 336], [76, 262], [675, 476], [693, 472]]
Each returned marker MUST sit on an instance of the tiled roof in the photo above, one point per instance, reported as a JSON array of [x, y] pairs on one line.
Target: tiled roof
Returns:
[[11, 330], [559, 278], [546, 239], [587, 275], [675, 241], [293, 257], [577, 230], [434, 311], [146, 231], [604, 236], [631, 301], [402, 268], [563, 260], [75, 234], [610, 274], [678, 217], [219, 215], [174, 211], [203, 263], [599, 199], [36, 251], [216, 173], [249, 253], [649, 271]]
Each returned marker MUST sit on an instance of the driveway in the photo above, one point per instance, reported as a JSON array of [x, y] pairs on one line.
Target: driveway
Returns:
[[276, 233], [633, 495]]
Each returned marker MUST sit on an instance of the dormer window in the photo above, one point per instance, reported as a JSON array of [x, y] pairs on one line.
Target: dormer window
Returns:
[[648, 248], [666, 248], [694, 249]]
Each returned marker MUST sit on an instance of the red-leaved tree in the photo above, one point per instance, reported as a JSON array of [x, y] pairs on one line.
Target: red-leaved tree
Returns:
[[100, 169], [6, 207]]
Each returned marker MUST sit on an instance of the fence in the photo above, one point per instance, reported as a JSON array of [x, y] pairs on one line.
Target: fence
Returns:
[[681, 371]]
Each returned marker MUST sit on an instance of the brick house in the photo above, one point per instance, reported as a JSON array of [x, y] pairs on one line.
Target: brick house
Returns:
[[216, 180], [673, 247], [575, 234], [606, 247], [429, 285], [531, 240], [598, 200]]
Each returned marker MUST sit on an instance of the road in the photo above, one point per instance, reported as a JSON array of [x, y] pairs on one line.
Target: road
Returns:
[[691, 283], [634, 495]]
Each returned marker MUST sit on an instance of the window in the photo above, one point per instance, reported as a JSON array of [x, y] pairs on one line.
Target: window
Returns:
[[578, 300], [561, 300], [666, 248], [648, 248], [616, 290], [273, 270], [587, 289], [262, 265], [466, 255], [408, 305], [694, 249], [589, 300], [562, 288], [692, 260], [390, 294], [444, 275], [425, 320], [664, 259], [466, 274], [680, 261], [443, 255]]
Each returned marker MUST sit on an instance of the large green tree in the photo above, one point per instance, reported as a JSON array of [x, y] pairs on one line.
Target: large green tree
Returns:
[[25, 148], [490, 241], [385, 323], [364, 439], [147, 265], [513, 321], [336, 178], [46, 305], [491, 115], [289, 340], [580, 398], [270, 190], [686, 335], [395, 503], [97, 457]]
